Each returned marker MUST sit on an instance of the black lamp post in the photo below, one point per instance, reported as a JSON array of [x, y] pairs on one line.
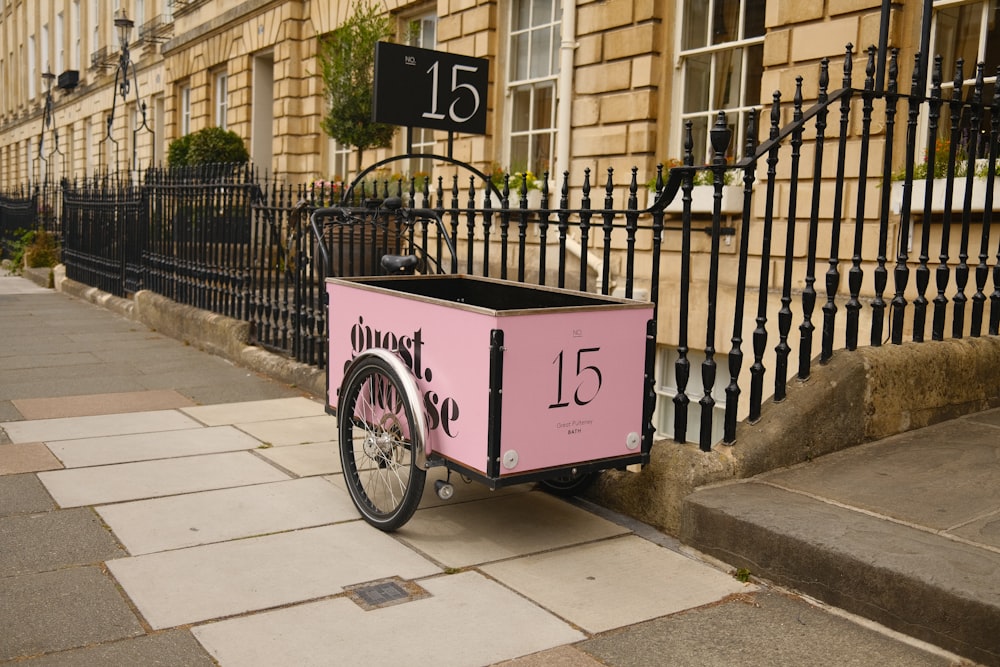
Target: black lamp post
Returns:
[[48, 77], [124, 25]]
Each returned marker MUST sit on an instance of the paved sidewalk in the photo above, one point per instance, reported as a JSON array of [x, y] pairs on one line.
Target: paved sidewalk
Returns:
[[161, 506]]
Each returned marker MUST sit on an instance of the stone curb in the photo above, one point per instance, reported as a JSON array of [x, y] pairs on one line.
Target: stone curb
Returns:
[[210, 332], [856, 562], [857, 397]]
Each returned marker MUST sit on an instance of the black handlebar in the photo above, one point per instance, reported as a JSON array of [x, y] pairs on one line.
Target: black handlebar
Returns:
[[345, 215]]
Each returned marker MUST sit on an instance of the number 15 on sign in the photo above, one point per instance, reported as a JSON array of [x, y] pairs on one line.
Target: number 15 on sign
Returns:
[[584, 385]]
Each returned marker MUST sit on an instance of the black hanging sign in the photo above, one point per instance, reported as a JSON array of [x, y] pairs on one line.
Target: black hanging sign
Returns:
[[418, 87]]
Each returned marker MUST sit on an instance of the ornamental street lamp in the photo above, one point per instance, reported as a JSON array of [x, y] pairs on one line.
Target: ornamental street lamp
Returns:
[[123, 24], [123, 82], [48, 77]]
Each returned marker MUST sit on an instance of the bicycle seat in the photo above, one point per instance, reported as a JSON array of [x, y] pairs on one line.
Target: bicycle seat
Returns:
[[399, 264]]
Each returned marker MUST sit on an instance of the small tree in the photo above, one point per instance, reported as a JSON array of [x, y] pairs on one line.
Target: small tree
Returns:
[[347, 63]]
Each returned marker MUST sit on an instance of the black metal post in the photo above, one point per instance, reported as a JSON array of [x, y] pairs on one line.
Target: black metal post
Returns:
[[883, 44]]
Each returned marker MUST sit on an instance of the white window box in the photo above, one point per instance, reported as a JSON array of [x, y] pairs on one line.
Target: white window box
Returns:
[[703, 200]]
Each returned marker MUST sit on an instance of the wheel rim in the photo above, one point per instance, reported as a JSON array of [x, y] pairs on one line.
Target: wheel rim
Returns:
[[380, 456]]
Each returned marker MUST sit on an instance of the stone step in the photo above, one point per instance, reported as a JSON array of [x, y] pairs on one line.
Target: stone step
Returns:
[[939, 590]]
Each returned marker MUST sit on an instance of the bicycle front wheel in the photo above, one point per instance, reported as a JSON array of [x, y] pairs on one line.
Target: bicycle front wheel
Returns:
[[377, 429]]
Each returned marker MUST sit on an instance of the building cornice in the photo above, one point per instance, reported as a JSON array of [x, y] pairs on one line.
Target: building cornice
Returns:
[[217, 24]]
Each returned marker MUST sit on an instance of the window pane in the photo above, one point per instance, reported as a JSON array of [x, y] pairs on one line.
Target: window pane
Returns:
[[725, 21], [521, 114], [518, 152], [699, 131], [958, 37], [542, 160], [754, 67], [522, 15], [753, 21], [519, 61], [728, 73], [542, 11], [696, 81], [992, 54], [544, 107], [695, 24], [541, 49]]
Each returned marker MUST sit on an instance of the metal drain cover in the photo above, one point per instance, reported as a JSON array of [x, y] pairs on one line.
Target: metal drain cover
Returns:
[[385, 592]]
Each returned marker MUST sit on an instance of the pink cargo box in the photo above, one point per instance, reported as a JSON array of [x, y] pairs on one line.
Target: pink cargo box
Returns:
[[517, 382]]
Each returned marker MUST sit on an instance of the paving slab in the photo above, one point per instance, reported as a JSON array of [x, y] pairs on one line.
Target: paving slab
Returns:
[[991, 417], [318, 458], [215, 372], [104, 450], [503, 527], [68, 372], [608, 584], [561, 656], [886, 477], [23, 494], [161, 524], [58, 385], [101, 404], [466, 620], [764, 629], [984, 531], [42, 359], [296, 431], [912, 580], [251, 387], [174, 647], [26, 457], [150, 479], [73, 428], [8, 413], [465, 491], [205, 582], [17, 285], [52, 540], [251, 411], [64, 609]]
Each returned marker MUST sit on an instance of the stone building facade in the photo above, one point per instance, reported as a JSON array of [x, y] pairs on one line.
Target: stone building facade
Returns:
[[574, 83]]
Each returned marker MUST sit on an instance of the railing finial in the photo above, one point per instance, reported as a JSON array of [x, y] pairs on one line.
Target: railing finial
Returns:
[[720, 136], [775, 114], [848, 65]]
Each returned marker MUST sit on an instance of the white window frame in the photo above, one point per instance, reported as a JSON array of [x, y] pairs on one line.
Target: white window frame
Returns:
[[547, 78], [185, 109], [76, 30], [113, 44], [60, 50], [43, 52], [220, 86], [422, 139], [969, 70], [95, 26], [339, 161], [947, 74], [32, 68], [734, 114], [140, 13]]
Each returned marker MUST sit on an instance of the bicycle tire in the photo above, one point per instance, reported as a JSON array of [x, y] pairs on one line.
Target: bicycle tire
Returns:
[[376, 421]]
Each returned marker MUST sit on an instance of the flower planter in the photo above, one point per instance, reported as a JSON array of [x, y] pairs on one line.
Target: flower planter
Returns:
[[534, 200], [703, 200], [919, 195]]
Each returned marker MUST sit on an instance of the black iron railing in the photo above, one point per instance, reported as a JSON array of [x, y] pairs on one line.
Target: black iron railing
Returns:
[[822, 189]]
